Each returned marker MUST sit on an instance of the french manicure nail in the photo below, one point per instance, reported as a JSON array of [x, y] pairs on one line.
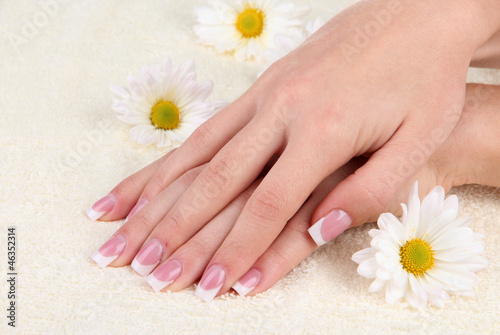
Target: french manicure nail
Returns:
[[330, 226], [248, 282], [148, 257], [101, 207], [109, 251], [211, 283], [165, 275], [138, 206]]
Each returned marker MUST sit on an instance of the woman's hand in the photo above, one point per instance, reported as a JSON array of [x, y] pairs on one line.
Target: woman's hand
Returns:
[[317, 108], [450, 165]]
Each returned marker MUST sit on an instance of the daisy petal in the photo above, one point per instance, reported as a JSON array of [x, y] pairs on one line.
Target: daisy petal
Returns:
[[368, 268], [453, 238], [389, 223], [412, 221], [394, 293], [363, 255], [460, 253], [431, 206], [430, 229], [377, 285], [120, 91], [164, 84], [400, 276]]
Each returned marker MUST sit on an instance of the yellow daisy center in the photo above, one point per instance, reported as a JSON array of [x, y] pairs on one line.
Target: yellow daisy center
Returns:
[[417, 256], [165, 115], [250, 22]]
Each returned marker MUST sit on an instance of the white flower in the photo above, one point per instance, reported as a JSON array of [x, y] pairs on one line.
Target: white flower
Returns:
[[287, 43], [165, 105], [430, 254], [246, 27]]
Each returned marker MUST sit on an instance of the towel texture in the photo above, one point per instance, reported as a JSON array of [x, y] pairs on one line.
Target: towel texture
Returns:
[[62, 148]]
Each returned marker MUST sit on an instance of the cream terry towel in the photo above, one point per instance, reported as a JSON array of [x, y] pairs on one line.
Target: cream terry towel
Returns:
[[62, 147]]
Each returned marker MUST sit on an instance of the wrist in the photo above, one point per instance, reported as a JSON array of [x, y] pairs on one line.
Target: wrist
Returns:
[[465, 24], [488, 54], [472, 153]]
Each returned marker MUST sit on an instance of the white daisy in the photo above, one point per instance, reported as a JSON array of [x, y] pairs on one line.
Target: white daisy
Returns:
[[165, 105], [428, 255], [287, 43], [246, 27]]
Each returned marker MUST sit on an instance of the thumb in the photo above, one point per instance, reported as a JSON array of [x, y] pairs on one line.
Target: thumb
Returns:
[[368, 192]]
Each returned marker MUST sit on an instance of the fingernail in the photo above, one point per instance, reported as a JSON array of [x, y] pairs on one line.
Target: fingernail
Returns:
[[165, 275], [211, 283], [109, 251], [248, 282], [101, 207], [138, 206], [148, 257], [330, 226]]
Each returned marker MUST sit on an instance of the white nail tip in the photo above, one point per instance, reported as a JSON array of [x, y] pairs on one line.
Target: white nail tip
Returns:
[[242, 290], [157, 285], [315, 232], [101, 260], [143, 270], [207, 295], [93, 215]]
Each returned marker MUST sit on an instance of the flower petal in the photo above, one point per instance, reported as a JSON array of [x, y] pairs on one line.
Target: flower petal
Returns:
[[400, 276], [363, 255], [460, 253], [440, 225], [368, 268], [377, 285], [389, 223], [120, 91], [430, 208], [394, 293], [453, 277], [413, 218], [452, 239]]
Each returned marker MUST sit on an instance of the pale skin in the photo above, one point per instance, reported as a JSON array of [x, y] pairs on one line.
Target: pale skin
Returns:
[[405, 87]]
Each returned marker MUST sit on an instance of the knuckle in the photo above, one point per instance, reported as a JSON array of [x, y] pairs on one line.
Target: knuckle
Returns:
[[376, 196], [124, 188], [198, 248], [175, 223], [158, 182], [276, 258], [289, 91], [237, 253], [201, 138], [217, 174], [267, 206], [188, 178], [143, 220]]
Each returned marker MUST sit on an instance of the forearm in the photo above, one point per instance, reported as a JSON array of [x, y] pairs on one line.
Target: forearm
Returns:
[[486, 19]]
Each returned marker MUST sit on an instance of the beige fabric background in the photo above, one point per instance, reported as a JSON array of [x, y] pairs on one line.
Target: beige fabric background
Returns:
[[62, 148]]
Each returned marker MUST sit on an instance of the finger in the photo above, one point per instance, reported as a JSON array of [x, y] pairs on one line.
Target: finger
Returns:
[[126, 241], [203, 144], [368, 192], [120, 201], [229, 173], [186, 264], [293, 244], [278, 197]]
